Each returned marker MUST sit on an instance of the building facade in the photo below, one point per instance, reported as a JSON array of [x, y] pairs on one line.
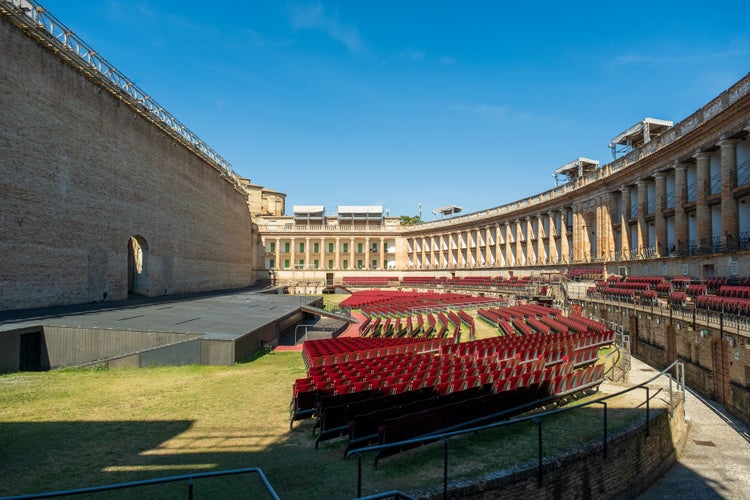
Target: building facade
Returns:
[[676, 203]]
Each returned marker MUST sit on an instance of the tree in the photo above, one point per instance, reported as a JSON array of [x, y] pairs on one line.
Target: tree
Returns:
[[409, 220]]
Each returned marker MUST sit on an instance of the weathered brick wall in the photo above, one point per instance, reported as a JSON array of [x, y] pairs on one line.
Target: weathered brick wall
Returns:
[[699, 347], [634, 461], [81, 172]]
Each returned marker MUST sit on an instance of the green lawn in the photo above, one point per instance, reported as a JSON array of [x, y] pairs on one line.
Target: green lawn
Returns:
[[76, 428]]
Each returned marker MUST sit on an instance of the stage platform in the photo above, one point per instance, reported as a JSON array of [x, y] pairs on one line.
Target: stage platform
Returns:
[[202, 325]]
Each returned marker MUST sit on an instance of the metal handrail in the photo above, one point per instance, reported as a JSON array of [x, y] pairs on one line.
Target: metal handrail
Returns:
[[148, 482], [537, 418]]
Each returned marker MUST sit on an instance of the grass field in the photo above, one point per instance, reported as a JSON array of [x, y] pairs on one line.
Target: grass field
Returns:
[[74, 428]]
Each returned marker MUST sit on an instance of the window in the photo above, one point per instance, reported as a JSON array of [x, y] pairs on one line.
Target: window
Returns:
[[273, 247], [330, 248], [345, 264], [360, 265], [345, 247], [301, 248], [315, 264], [286, 246], [374, 264], [359, 247], [286, 263], [271, 263], [316, 247], [301, 264], [374, 247], [330, 263]]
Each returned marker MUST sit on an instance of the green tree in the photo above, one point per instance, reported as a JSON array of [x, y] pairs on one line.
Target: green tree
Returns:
[[409, 220]]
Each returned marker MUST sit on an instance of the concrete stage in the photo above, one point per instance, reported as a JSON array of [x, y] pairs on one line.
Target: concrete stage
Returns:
[[211, 328]]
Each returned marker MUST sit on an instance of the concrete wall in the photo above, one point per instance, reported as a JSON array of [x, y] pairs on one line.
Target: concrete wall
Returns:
[[81, 172]]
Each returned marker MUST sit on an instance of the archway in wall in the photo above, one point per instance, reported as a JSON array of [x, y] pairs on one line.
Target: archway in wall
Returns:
[[137, 265]]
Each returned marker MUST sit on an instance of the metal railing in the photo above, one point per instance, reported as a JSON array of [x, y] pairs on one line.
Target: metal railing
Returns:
[[743, 173], [676, 384], [189, 478], [36, 20], [715, 184]]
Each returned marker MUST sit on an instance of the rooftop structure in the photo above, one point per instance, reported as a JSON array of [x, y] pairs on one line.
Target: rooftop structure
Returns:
[[576, 168], [638, 135]]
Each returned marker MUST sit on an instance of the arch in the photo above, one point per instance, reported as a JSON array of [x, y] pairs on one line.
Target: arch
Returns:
[[137, 265]]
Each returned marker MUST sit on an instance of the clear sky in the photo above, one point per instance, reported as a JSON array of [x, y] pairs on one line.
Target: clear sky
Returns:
[[397, 103]]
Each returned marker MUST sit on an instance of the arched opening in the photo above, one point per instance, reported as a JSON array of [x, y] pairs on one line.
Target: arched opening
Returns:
[[137, 266]]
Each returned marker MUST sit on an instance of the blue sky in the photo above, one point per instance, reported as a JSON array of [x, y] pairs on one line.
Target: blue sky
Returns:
[[397, 103]]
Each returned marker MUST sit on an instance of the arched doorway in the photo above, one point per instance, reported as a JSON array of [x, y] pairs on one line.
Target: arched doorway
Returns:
[[137, 265]]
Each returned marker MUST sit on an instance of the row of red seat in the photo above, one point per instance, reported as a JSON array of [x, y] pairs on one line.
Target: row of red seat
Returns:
[[326, 352]]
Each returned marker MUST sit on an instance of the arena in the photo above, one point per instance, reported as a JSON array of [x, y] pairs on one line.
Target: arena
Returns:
[[655, 243]]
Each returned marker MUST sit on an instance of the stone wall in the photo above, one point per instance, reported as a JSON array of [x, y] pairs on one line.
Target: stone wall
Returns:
[[633, 462], [81, 172], [716, 356]]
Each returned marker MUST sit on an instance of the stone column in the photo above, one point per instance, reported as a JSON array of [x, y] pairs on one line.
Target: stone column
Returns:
[[541, 255], [383, 253], [517, 229], [625, 245], [367, 252], [553, 257], [510, 256], [529, 240], [307, 253], [681, 233], [337, 262], [292, 253], [564, 244], [702, 210], [642, 209], [488, 246], [351, 253], [498, 245], [660, 222], [323, 253], [278, 253], [730, 218]]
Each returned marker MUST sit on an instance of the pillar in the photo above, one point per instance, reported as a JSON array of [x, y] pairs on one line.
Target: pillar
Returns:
[[681, 233], [278, 253], [642, 201], [660, 221], [702, 210], [730, 219], [553, 257], [564, 243]]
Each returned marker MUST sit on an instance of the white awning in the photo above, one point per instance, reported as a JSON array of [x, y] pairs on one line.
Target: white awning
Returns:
[[577, 167], [641, 132]]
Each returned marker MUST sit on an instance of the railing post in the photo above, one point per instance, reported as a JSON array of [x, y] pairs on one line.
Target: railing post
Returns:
[[359, 473], [648, 416], [604, 430], [539, 449], [190, 488], [445, 467]]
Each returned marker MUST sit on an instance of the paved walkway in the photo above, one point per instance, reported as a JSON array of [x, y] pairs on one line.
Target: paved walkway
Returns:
[[715, 462]]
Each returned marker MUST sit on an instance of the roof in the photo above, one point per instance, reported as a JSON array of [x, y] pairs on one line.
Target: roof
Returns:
[[308, 209], [641, 132], [577, 167], [360, 209], [450, 209]]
